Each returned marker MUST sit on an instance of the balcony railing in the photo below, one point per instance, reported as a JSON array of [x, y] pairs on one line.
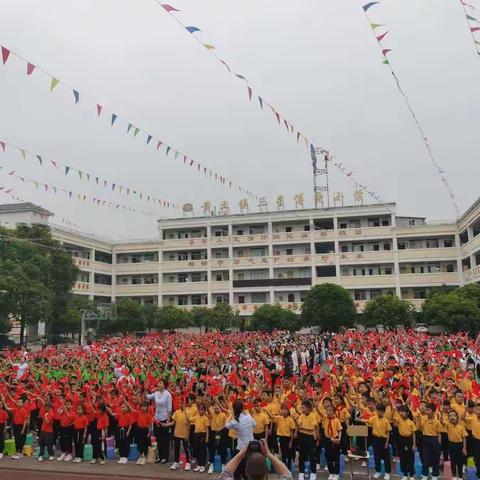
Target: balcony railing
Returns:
[[472, 275], [427, 254], [364, 281], [429, 279]]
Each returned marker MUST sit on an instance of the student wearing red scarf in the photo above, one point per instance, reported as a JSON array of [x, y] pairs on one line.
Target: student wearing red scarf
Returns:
[[21, 417], [98, 434], [142, 432], [46, 432], [125, 420], [66, 431], [80, 425]]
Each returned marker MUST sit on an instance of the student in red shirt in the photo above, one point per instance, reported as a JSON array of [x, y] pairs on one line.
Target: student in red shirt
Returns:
[[80, 424], [3, 424], [66, 431], [142, 433], [124, 429], [21, 416], [98, 434], [46, 431]]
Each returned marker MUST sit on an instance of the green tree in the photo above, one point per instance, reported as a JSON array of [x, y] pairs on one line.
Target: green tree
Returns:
[[224, 317], [201, 317], [73, 318], [170, 317], [328, 306], [273, 317], [452, 311], [150, 315], [129, 316], [388, 310], [471, 291]]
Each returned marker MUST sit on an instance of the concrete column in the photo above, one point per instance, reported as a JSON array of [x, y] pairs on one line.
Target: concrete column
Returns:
[[114, 275], [312, 250], [470, 233], [230, 263], [337, 250], [91, 275], [396, 264], [458, 250], [209, 267]]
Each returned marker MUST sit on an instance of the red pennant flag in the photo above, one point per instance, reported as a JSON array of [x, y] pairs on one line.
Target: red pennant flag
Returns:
[[249, 93], [2, 144], [5, 54], [278, 117], [473, 29], [386, 50], [99, 109], [382, 36], [30, 68], [169, 8]]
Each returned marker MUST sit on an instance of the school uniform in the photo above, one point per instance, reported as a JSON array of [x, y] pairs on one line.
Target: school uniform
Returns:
[[20, 416], [285, 427], [125, 425], [181, 434], [80, 425], [261, 423], [218, 439], [142, 437], [3, 422], [430, 446], [66, 431], [46, 433], [456, 435], [406, 431], [101, 424], [475, 427], [201, 424], [307, 426], [332, 427], [381, 428]]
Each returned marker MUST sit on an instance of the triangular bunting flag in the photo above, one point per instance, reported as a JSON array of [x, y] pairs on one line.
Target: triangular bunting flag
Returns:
[[472, 19], [24, 154], [39, 158], [382, 36], [208, 46], [225, 63], [76, 95], [67, 170], [474, 29], [136, 131], [168, 150], [249, 93], [260, 101], [30, 68], [129, 127], [386, 50], [386, 62], [2, 144], [192, 29], [5, 54], [169, 8], [99, 110], [159, 144], [114, 117], [375, 25], [369, 5], [241, 77], [53, 84], [148, 139]]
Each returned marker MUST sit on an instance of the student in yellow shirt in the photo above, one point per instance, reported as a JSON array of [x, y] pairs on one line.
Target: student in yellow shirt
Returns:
[[475, 429], [381, 429], [307, 424], [406, 442], [191, 410], [431, 438], [181, 435], [262, 421], [444, 420], [457, 444], [218, 438], [332, 435], [467, 422], [201, 425], [344, 416], [285, 433]]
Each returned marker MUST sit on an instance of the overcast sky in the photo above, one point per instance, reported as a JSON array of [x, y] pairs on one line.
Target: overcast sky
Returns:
[[315, 60]]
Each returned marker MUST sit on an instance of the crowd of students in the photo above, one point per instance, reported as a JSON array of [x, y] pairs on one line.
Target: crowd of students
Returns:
[[208, 394]]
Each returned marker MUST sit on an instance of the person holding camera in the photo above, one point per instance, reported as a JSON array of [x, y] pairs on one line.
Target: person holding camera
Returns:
[[253, 455]]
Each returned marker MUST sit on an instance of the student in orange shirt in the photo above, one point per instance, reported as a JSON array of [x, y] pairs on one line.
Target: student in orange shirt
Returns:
[[99, 430], [66, 431], [80, 425], [46, 432], [3, 426], [142, 433], [124, 430]]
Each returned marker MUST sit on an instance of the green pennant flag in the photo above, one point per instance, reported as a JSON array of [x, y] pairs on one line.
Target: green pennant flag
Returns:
[[385, 62], [53, 84], [136, 131], [473, 19]]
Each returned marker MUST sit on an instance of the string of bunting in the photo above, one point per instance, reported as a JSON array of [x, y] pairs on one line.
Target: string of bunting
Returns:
[[473, 23], [82, 197], [64, 221], [380, 38], [114, 119], [86, 176], [262, 101]]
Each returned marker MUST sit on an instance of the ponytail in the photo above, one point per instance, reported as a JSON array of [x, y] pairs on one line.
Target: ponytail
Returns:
[[237, 409]]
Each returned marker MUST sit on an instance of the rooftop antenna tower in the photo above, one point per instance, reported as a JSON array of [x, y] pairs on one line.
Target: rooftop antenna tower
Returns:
[[320, 174]]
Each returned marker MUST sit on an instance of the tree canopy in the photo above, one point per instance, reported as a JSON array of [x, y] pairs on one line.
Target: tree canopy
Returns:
[[36, 276], [328, 306], [273, 317], [387, 310]]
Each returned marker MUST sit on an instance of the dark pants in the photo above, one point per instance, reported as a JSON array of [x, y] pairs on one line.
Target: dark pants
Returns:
[[286, 451], [345, 440], [457, 459], [476, 453], [431, 455], [407, 457], [56, 431], [240, 471], [19, 438], [272, 440], [381, 453], [123, 442], [419, 442], [78, 442], [97, 446], [45, 440], [66, 437], [162, 435], [444, 445], [176, 448], [143, 440], [217, 443], [306, 447], [259, 436], [469, 444], [393, 440], [2, 437], [332, 456], [201, 448]]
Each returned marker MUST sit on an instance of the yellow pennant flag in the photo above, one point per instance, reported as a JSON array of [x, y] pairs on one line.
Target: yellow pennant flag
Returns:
[[24, 153], [208, 46], [53, 84]]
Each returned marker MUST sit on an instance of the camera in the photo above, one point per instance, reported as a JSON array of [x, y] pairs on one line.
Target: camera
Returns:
[[254, 446]]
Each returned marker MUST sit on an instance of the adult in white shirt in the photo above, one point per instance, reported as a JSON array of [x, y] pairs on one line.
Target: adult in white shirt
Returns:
[[163, 411], [243, 424]]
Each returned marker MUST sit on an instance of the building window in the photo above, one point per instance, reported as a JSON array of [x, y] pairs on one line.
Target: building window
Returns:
[[291, 298], [344, 248], [385, 223], [306, 228], [218, 277], [288, 229], [289, 251], [241, 299], [343, 225], [182, 300], [448, 243], [411, 222], [386, 246], [196, 255], [259, 297], [450, 268], [360, 295], [375, 293], [432, 243], [419, 293], [401, 245], [196, 299], [182, 277], [388, 271], [376, 247], [196, 277]]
